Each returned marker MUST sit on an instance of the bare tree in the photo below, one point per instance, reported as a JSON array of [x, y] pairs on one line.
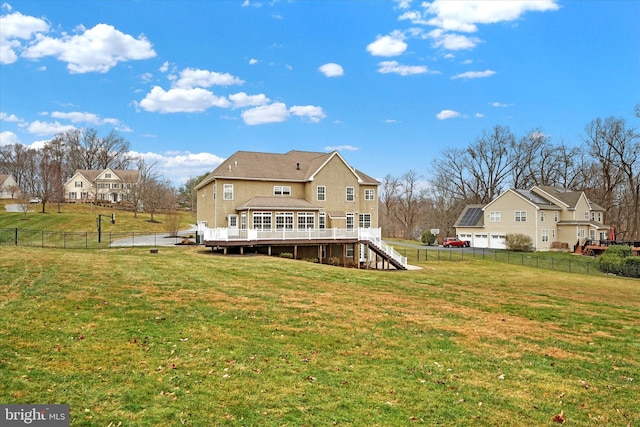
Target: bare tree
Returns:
[[410, 202], [87, 150], [389, 199], [616, 151], [158, 195]]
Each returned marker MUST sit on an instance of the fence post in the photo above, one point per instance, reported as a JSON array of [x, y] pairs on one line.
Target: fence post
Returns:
[[43, 238], [16, 237], [569, 266]]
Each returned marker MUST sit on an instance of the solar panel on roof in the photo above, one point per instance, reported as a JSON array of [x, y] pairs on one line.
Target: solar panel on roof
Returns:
[[470, 217]]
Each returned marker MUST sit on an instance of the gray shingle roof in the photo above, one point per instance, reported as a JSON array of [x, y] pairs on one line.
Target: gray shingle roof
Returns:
[[269, 203], [294, 166]]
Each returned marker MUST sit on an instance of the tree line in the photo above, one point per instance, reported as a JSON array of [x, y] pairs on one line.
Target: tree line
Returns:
[[42, 172], [605, 165]]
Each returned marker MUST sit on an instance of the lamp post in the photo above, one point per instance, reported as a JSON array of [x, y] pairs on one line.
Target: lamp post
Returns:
[[99, 221]]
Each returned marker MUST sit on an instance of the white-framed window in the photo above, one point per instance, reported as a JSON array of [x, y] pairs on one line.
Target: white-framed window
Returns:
[[262, 220], [84, 195], [243, 221], [215, 191], [233, 221], [553, 233], [545, 235], [495, 216], [369, 194], [364, 221], [592, 234], [350, 251], [581, 233], [556, 216], [322, 220], [541, 216], [306, 221], [107, 175], [586, 215], [73, 195], [78, 184], [114, 185], [321, 193], [227, 191], [281, 190], [351, 194], [520, 216], [350, 219], [284, 221]]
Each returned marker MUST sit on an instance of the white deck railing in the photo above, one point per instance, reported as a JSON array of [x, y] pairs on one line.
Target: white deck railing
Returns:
[[374, 235]]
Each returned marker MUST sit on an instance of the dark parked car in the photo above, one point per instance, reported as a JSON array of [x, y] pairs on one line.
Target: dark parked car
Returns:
[[451, 242]]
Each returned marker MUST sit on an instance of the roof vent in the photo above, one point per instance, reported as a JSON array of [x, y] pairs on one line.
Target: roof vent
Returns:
[[298, 166], [229, 167]]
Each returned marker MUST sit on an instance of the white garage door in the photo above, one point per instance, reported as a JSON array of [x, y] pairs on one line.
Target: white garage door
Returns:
[[480, 241], [498, 241]]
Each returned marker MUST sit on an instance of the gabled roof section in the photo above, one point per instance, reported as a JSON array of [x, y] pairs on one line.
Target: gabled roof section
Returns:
[[518, 194], [294, 166], [538, 200], [4, 178], [471, 216], [568, 198], [89, 175]]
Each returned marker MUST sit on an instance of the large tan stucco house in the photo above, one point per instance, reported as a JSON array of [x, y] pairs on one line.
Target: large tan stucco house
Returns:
[[552, 217], [8, 187], [312, 205], [108, 185]]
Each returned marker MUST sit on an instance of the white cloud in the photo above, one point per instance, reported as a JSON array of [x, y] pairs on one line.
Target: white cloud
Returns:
[[181, 100], [474, 74], [341, 148], [178, 167], [253, 61], [95, 50], [78, 117], [164, 67], [48, 128], [331, 70], [389, 45], [499, 105], [17, 27], [386, 67], [8, 138], [453, 41], [191, 78], [272, 113], [447, 114], [478, 115], [463, 16], [311, 112], [10, 118], [242, 100]]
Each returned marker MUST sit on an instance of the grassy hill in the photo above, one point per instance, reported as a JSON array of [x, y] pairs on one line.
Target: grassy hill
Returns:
[[186, 337], [82, 217]]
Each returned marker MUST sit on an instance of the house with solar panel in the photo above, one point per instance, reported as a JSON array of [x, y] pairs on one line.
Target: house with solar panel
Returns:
[[554, 218], [307, 205]]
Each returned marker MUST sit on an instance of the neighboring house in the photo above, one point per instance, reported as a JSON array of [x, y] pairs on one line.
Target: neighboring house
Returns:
[[8, 187], [552, 217], [309, 204], [109, 185]]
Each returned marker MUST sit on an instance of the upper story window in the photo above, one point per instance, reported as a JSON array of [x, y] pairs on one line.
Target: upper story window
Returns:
[[78, 184], [107, 175], [282, 190], [520, 216], [541, 216], [369, 194], [321, 193], [586, 215], [350, 219], [364, 221], [227, 192], [495, 216], [114, 185], [351, 194], [555, 216]]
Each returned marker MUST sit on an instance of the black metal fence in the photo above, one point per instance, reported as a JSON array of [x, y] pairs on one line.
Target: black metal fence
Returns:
[[546, 261], [83, 240]]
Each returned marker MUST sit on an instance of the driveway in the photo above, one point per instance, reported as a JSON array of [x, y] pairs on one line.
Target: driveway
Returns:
[[157, 239]]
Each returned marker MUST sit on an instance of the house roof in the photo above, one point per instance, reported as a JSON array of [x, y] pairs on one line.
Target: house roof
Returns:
[[269, 203], [538, 200], [567, 197], [3, 178], [127, 175], [471, 216], [294, 166]]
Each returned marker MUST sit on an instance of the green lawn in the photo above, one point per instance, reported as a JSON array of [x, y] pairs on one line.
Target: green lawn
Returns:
[[82, 217], [186, 337]]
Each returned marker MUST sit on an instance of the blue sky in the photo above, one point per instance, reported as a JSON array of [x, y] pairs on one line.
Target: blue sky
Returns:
[[389, 84]]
